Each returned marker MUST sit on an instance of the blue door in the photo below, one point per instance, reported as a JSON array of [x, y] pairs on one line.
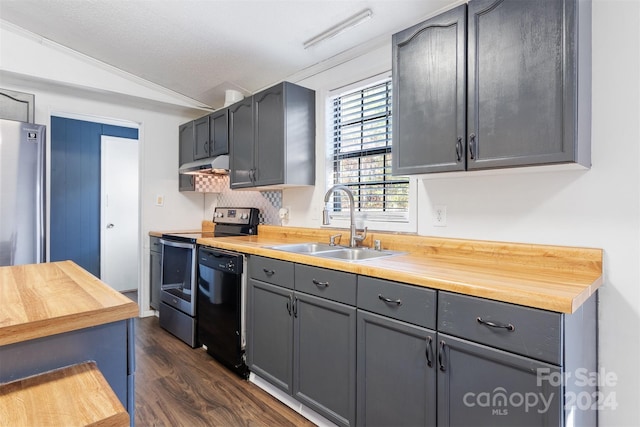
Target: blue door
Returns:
[[75, 190]]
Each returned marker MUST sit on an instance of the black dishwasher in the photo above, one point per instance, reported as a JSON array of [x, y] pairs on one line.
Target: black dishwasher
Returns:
[[219, 306]]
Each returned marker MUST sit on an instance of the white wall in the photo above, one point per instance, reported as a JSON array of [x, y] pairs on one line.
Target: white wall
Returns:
[[157, 119], [595, 208]]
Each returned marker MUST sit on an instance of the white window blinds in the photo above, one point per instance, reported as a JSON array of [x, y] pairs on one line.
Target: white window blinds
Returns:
[[361, 154]]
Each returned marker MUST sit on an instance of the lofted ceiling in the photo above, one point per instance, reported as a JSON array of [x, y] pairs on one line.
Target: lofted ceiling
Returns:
[[200, 48]]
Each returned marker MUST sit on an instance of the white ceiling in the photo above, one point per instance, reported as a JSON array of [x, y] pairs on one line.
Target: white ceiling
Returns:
[[200, 48]]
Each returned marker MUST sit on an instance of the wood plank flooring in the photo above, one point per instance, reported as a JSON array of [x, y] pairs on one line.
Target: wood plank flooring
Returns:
[[180, 386]]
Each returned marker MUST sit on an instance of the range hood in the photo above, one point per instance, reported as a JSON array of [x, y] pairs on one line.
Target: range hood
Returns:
[[213, 165]]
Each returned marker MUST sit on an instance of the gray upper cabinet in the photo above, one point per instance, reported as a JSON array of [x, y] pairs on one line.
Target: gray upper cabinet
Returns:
[[527, 100], [201, 138], [211, 135], [281, 148], [186, 138], [429, 85], [241, 145], [219, 133]]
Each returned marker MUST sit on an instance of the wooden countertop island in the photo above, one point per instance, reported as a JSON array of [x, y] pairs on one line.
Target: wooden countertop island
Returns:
[[39, 300], [57, 315]]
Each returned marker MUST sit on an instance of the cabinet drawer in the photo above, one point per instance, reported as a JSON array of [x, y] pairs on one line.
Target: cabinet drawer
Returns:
[[330, 284], [409, 303], [271, 271], [154, 244], [527, 331]]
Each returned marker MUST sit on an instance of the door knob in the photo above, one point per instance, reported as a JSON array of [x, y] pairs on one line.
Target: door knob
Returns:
[[110, 225]]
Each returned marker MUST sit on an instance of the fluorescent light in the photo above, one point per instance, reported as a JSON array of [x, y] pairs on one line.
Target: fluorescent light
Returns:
[[339, 28]]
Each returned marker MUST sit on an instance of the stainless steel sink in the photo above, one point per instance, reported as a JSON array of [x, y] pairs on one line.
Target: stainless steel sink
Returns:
[[356, 254], [305, 248], [342, 253]]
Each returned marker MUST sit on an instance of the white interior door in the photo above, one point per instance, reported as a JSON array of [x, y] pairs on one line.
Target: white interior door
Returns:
[[119, 219]]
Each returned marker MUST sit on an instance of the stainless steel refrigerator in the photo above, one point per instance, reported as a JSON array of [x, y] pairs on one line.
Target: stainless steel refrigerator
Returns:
[[22, 193]]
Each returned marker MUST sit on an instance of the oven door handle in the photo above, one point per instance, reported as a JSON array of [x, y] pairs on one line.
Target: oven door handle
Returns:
[[177, 244]]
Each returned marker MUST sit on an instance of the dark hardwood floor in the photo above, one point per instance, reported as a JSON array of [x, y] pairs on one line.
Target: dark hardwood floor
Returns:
[[180, 386]]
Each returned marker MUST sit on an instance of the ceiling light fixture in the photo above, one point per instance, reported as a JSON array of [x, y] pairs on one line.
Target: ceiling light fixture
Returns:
[[339, 28]]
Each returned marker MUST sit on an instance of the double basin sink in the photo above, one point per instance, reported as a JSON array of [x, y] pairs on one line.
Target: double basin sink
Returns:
[[323, 250]]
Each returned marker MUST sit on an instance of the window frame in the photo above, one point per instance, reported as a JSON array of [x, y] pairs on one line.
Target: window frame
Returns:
[[381, 221]]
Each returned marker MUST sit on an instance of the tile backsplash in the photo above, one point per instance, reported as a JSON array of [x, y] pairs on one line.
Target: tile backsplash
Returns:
[[269, 202]]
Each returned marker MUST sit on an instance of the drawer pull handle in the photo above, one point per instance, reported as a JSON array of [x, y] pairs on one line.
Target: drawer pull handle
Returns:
[[268, 272], [320, 284], [398, 302], [509, 327]]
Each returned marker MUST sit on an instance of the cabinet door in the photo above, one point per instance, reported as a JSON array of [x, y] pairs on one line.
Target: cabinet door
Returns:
[[241, 149], [396, 373], [219, 133], [269, 136], [522, 82], [270, 333], [429, 95], [155, 258], [325, 357], [186, 141], [482, 386], [201, 137]]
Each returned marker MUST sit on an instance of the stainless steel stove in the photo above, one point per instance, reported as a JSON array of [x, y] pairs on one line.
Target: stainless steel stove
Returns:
[[179, 275]]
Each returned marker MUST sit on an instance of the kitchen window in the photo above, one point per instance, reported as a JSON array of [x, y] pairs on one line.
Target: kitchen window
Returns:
[[359, 157]]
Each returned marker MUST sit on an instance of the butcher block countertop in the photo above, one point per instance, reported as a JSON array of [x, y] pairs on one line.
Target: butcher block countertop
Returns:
[[43, 400], [554, 278], [40, 300]]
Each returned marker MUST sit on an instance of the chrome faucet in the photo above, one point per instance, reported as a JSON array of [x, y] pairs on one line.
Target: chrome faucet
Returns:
[[353, 236]]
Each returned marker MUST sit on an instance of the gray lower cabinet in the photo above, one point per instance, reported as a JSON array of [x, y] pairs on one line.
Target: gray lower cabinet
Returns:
[[155, 269], [501, 364], [396, 373], [422, 357], [396, 354], [483, 386], [270, 333], [303, 344], [324, 374]]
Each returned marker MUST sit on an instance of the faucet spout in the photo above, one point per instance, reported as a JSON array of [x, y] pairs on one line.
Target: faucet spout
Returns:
[[353, 236]]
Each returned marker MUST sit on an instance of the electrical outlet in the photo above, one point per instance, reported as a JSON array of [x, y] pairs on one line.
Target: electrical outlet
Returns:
[[440, 216]]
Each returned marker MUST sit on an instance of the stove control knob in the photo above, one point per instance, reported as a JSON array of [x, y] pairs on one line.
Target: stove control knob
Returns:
[[244, 216], [230, 265]]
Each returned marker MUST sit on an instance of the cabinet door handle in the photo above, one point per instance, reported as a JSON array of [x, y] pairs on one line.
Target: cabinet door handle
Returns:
[[441, 356], [268, 272], [429, 352], [459, 149], [295, 307], [398, 302], [509, 327], [289, 304], [320, 284], [472, 148]]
